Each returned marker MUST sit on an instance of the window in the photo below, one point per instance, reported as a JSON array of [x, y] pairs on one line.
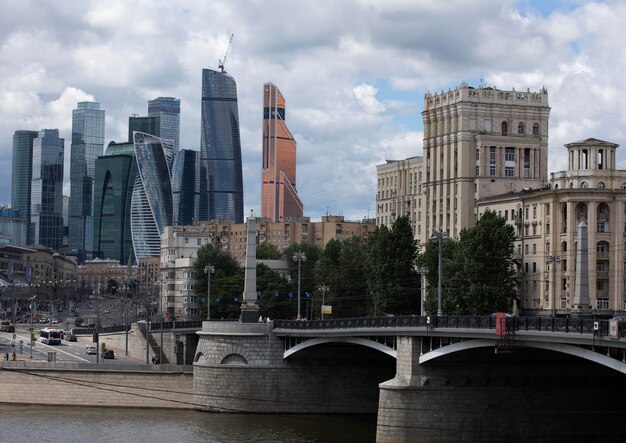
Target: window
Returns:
[[584, 185], [536, 129], [487, 125], [520, 128], [492, 161], [534, 266], [602, 303], [601, 185], [505, 128], [548, 228], [534, 211], [509, 154], [525, 249], [509, 171], [534, 229], [534, 248], [527, 212]]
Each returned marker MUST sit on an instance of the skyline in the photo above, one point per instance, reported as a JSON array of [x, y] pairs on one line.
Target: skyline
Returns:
[[355, 74]]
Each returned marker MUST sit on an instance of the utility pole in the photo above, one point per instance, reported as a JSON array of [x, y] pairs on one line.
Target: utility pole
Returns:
[[209, 269], [323, 289], [439, 237]]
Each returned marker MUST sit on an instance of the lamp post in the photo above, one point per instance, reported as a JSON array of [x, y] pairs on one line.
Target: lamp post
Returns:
[[32, 331], [422, 271], [439, 237], [209, 269], [553, 260], [299, 257], [324, 289]]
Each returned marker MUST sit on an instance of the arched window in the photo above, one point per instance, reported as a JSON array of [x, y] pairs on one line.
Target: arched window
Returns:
[[556, 186], [536, 129], [505, 128], [571, 185], [601, 185], [584, 185], [623, 185], [520, 128]]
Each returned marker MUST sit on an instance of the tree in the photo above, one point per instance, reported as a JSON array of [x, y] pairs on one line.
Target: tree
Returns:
[[274, 300], [478, 272], [307, 272], [267, 251]]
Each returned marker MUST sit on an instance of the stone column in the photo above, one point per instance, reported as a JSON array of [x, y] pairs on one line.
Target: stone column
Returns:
[[581, 289]]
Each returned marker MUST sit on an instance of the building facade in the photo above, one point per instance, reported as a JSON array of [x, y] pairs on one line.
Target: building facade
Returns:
[[47, 189], [13, 227], [570, 247], [87, 145], [220, 148], [477, 143], [280, 201], [167, 109], [147, 125], [186, 186], [22, 174], [399, 192]]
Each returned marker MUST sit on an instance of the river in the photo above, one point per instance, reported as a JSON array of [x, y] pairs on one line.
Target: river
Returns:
[[73, 424]]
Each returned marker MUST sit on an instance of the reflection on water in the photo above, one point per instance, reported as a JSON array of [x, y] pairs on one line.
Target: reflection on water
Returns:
[[73, 424]]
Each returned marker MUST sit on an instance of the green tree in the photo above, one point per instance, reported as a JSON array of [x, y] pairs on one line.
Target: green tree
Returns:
[[478, 272], [267, 251], [274, 300]]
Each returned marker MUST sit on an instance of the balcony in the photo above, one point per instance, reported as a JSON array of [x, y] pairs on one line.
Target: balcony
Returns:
[[602, 293], [602, 254], [602, 275]]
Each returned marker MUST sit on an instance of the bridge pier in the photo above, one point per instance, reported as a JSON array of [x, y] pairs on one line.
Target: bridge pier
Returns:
[[479, 395]]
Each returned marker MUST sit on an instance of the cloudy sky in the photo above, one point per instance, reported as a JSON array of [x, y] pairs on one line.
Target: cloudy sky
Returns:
[[353, 72]]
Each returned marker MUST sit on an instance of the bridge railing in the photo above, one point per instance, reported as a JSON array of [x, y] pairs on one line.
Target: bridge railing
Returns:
[[548, 324], [167, 325]]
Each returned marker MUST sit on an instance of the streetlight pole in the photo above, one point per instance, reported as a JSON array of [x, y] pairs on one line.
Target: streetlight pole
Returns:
[[323, 289], [161, 321], [209, 269], [439, 237], [299, 257], [422, 271], [553, 260], [32, 331]]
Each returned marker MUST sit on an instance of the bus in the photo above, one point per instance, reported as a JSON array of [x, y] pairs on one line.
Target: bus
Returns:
[[50, 336]]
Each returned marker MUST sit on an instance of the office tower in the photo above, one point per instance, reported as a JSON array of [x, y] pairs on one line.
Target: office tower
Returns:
[[220, 148], [87, 145], [115, 174], [22, 175], [168, 111], [478, 143], [147, 125], [152, 201], [186, 186], [47, 189], [280, 199]]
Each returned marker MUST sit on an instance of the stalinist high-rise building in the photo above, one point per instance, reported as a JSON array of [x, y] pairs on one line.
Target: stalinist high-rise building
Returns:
[[280, 198], [479, 142]]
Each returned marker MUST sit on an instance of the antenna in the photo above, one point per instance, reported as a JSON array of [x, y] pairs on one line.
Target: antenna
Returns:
[[222, 61]]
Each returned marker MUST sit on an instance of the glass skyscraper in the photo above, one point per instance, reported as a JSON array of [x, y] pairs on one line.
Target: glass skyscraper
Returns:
[[147, 125], [22, 174], [168, 111], [220, 149], [87, 145], [46, 209], [152, 202], [186, 186]]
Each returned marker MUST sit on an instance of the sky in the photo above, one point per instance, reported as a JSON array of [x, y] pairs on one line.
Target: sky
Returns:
[[353, 73]]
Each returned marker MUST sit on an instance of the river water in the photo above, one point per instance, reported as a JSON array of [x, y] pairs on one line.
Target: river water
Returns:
[[72, 424]]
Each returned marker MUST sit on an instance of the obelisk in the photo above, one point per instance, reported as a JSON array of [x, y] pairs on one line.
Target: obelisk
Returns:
[[582, 304], [249, 307]]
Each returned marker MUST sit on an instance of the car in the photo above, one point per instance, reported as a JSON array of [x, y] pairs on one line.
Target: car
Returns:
[[91, 350], [107, 311], [54, 321], [108, 354], [71, 337]]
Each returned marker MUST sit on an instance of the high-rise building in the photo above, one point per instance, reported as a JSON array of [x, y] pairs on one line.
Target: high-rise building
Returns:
[[47, 189], [477, 143], [152, 202], [168, 111], [280, 199], [147, 125], [115, 174], [186, 186], [22, 174], [220, 148], [87, 145]]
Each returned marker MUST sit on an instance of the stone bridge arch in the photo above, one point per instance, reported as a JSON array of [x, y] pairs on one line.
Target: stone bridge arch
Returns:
[[351, 340], [572, 350]]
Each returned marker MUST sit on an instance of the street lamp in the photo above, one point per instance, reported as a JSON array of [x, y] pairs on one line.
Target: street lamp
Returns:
[[209, 269], [32, 331], [299, 257], [439, 237], [422, 271], [553, 260], [324, 289]]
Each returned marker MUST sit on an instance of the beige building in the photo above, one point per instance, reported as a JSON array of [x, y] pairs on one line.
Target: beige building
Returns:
[[399, 192], [479, 142], [592, 191]]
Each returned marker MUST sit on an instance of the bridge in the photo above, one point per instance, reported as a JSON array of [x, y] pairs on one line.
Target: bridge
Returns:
[[449, 378]]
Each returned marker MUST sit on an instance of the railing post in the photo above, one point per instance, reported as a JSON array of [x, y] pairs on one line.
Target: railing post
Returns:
[[553, 324]]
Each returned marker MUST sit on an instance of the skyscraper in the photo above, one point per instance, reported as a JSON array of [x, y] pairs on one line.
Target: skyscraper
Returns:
[[87, 145], [22, 174], [280, 199], [168, 111], [186, 186], [152, 202], [147, 125], [220, 149], [47, 189]]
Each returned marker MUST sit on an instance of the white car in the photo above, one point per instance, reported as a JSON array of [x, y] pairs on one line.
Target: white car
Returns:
[[91, 350]]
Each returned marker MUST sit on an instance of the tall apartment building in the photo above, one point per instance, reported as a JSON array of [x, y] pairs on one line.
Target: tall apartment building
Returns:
[[553, 261], [47, 189], [167, 109], [220, 148], [480, 142], [87, 145], [22, 174], [399, 192], [280, 201]]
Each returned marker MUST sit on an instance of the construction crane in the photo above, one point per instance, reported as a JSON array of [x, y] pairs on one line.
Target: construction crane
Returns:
[[222, 61]]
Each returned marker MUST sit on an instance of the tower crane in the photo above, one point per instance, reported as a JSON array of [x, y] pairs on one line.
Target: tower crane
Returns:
[[222, 61]]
